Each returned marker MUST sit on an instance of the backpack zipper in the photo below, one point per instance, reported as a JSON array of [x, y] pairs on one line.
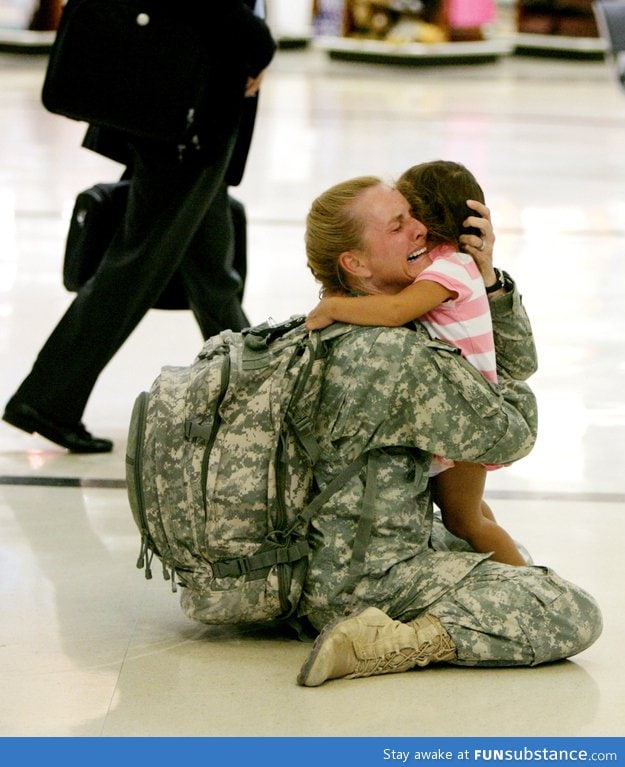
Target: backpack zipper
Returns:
[[223, 387], [135, 463]]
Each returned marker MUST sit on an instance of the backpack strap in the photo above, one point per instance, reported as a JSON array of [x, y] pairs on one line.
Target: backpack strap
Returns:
[[365, 523], [328, 491], [300, 423], [285, 546], [262, 336], [290, 552], [261, 560], [302, 428]]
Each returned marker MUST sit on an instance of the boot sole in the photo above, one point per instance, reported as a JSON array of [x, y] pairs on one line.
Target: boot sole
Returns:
[[327, 629]]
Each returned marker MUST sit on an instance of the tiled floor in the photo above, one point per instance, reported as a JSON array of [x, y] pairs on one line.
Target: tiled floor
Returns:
[[87, 647]]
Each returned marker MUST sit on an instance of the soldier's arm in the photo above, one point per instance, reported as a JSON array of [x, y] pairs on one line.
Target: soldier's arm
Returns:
[[514, 340], [447, 407]]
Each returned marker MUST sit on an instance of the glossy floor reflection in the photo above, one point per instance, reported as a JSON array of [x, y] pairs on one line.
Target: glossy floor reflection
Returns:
[[87, 647]]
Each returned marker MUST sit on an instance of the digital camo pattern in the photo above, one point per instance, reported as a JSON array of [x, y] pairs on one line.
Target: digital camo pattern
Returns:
[[506, 616], [201, 497], [432, 402], [514, 341], [399, 397]]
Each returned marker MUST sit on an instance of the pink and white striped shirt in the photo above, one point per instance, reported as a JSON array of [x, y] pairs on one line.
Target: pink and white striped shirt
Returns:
[[464, 321]]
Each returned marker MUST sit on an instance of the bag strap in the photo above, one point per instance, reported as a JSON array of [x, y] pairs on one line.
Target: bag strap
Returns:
[[301, 423], [280, 548], [365, 524], [261, 560], [279, 554]]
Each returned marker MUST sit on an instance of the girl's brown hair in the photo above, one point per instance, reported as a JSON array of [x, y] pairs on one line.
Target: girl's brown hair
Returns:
[[438, 192]]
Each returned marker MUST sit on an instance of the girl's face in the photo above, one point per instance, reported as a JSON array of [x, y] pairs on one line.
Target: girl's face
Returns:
[[393, 241]]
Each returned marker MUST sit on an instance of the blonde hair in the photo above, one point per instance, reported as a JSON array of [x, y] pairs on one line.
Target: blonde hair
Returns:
[[332, 228]]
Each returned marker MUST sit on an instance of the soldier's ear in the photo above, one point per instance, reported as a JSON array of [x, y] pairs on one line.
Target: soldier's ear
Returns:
[[353, 262]]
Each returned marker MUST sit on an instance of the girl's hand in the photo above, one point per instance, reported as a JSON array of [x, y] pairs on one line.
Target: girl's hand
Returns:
[[319, 317]]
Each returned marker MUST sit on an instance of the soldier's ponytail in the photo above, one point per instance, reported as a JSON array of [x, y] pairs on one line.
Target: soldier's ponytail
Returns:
[[331, 229]]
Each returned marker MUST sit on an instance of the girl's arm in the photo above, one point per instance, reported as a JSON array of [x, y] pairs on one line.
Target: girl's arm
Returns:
[[386, 310]]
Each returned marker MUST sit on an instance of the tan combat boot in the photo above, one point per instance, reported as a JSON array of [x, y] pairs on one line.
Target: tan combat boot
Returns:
[[369, 643]]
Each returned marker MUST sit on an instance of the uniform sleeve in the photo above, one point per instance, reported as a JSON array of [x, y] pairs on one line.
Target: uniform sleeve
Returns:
[[443, 405], [514, 341]]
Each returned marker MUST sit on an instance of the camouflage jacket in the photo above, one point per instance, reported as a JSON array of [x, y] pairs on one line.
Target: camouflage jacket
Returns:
[[403, 397]]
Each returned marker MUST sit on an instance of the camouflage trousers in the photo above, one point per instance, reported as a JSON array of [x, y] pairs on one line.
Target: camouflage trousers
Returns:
[[500, 615]]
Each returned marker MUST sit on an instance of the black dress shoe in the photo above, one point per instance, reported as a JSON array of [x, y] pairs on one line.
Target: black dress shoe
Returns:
[[75, 438]]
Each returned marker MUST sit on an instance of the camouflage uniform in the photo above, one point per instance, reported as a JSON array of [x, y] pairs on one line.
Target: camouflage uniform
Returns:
[[404, 397]]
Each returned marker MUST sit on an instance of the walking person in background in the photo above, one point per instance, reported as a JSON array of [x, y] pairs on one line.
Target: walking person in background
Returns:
[[178, 223]]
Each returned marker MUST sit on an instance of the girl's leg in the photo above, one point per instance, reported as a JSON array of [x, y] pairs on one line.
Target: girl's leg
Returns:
[[458, 493]]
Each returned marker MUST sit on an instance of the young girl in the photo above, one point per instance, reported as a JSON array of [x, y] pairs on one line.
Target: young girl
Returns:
[[449, 298]]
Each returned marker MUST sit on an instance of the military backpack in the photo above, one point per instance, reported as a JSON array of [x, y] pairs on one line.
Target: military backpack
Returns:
[[219, 467]]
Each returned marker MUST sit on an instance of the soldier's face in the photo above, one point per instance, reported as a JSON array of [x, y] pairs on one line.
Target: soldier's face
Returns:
[[392, 242]]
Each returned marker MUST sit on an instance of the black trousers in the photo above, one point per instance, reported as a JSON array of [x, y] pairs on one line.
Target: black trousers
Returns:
[[178, 221]]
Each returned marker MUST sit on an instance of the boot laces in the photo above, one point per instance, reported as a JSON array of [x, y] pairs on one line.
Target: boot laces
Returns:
[[402, 660], [439, 648]]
